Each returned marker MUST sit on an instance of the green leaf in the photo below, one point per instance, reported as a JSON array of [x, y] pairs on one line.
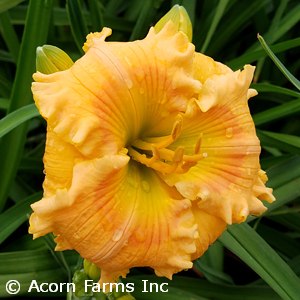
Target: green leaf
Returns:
[[211, 274], [12, 218], [5, 86], [214, 256], [29, 265], [285, 194], [60, 18], [3, 104], [285, 24], [277, 178], [31, 165], [295, 264], [7, 4], [9, 35], [291, 220], [271, 88], [219, 12], [77, 22], [284, 178], [236, 24], [96, 12], [58, 255], [287, 246], [277, 112], [113, 6], [285, 142], [12, 144], [275, 24], [6, 56], [279, 64], [144, 20], [244, 242], [252, 56], [17, 117], [201, 288]]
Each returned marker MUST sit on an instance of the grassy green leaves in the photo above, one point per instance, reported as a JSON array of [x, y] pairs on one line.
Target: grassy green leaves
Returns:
[[34, 35], [279, 64], [12, 218], [17, 117], [77, 22], [252, 249], [7, 4]]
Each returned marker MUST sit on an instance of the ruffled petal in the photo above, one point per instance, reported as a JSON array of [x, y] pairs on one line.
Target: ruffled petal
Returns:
[[210, 228], [118, 90], [205, 67], [226, 178], [120, 215], [59, 160]]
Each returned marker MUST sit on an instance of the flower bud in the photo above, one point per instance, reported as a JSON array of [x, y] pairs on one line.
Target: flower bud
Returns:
[[179, 16], [91, 270], [79, 279], [51, 59]]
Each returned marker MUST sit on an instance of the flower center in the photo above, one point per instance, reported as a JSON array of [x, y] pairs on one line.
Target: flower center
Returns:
[[153, 152]]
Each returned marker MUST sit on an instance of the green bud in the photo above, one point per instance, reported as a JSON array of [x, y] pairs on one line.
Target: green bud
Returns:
[[50, 59], [179, 16], [79, 278], [86, 266], [94, 272], [91, 270]]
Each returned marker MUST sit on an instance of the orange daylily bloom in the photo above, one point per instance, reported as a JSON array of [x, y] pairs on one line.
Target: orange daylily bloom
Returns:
[[151, 151]]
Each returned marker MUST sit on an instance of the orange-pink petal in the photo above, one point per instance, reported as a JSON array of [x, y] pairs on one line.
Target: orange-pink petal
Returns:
[[225, 179], [117, 91], [119, 215]]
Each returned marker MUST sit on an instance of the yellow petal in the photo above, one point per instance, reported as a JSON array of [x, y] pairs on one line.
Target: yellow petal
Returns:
[[95, 37], [59, 160], [205, 67], [225, 180], [119, 215], [118, 90], [210, 228]]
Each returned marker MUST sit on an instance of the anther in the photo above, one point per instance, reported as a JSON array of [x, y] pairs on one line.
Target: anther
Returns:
[[177, 127], [198, 144], [178, 155]]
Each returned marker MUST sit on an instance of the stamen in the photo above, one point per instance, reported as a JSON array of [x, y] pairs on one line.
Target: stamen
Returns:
[[168, 154], [177, 127], [187, 165], [178, 155], [198, 144], [153, 162], [161, 142], [162, 159]]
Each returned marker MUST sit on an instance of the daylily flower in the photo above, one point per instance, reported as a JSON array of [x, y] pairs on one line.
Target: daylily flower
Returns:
[[151, 151]]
